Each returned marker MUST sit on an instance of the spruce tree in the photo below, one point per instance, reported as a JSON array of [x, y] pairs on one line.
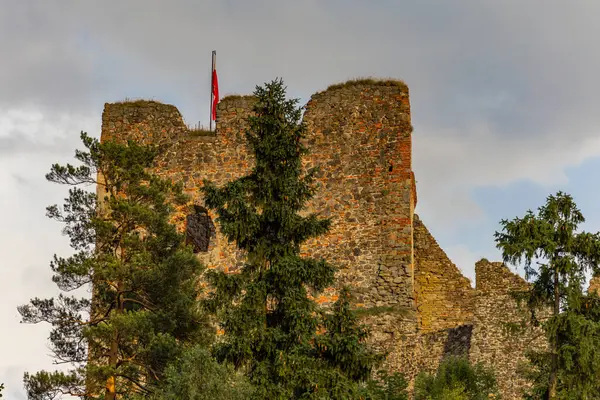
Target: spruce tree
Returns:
[[143, 278], [570, 319], [268, 313]]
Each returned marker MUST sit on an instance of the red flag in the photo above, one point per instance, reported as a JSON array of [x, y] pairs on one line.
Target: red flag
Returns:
[[215, 93]]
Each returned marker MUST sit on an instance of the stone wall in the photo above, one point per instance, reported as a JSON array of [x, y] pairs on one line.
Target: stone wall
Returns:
[[594, 285], [411, 351], [189, 156], [360, 137], [418, 304], [445, 298], [493, 344]]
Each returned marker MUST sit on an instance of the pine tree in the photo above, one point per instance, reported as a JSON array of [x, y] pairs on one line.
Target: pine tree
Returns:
[[269, 319], [570, 369], [143, 307]]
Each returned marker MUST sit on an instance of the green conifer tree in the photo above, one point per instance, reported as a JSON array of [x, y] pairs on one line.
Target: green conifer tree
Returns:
[[269, 320], [143, 308], [571, 367]]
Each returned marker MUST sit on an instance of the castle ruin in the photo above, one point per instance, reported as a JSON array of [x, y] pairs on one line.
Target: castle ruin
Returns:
[[418, 304]]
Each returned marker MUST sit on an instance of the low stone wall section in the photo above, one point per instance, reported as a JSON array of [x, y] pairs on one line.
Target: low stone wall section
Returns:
[[494, 342]]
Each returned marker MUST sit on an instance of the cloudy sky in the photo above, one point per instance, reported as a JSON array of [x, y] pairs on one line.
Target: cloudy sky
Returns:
[[504, 98]]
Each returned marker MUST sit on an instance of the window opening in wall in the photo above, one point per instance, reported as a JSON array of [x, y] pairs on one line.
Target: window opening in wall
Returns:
[[200, 229]]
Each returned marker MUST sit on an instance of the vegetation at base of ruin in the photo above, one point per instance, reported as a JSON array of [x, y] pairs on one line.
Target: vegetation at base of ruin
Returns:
[[570, 367], [384, 387], [457, 379], [196, 375], [368, 81], [143, 309], [272, 330]]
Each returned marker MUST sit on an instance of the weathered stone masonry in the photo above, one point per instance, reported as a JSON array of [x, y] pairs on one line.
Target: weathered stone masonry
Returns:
[[359, 136], [418, 303], [494, 306]]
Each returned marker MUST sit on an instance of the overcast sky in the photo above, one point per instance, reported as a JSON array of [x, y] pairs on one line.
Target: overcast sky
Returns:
[[504, 98]]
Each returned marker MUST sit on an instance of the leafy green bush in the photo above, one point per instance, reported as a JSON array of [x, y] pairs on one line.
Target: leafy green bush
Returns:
[[387, 387], [457, 379], [197, 376]]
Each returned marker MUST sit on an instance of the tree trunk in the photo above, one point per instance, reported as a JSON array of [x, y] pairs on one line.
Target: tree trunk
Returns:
[[111, 393], [554, 371], [113, 355]]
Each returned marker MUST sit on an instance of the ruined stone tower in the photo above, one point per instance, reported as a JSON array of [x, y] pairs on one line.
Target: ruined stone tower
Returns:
[[360, 137], [417, 302]]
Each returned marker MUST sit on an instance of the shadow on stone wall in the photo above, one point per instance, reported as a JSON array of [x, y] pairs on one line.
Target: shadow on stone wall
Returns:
[[458, 341]]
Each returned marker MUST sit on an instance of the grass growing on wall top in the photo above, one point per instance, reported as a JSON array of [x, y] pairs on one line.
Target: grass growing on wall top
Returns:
[[235, 96], [198, 132], [138, 102], [368, 81]]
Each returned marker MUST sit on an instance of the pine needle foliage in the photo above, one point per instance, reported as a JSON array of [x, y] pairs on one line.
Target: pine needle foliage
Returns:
[[143, 306], [267, 310], [563, 256]]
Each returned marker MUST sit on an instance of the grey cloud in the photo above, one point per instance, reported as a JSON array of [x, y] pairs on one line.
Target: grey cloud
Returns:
[[491, 82], [21, 181], [11, 145], [43, 60], [13, 389], [457, 58], [30, 133]]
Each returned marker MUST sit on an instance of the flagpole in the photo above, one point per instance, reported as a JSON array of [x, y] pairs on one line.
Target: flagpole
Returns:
[[212, 68]]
